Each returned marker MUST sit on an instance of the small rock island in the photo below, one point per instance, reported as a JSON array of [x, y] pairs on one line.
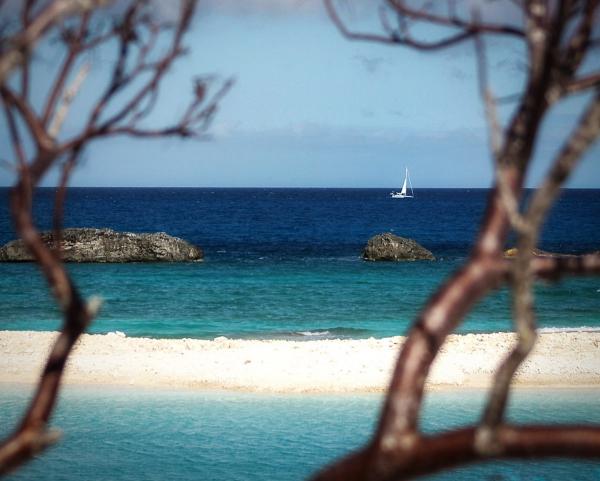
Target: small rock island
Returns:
[[107, 245], [390, 247]]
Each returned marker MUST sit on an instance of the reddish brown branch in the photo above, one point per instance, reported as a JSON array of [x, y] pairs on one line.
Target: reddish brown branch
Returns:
[[40, 136], [465, 29], [32, 436], [26, 21], [554, 268], [583, 83], [160, 69], [13, 130], [398, 450], [45, 19], [59, 201], [393, 38], [543, 36], [579, 141], [550, 267], [579, 43], [430, 454], [523, 275], [453, 21], [446, 308], [441, 314], [74, 49]]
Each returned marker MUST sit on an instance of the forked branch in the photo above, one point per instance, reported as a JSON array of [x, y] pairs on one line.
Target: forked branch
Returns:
[[50, 148], [399, 450]]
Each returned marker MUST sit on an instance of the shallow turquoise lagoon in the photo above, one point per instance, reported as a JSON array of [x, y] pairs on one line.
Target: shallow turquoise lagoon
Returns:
[[125, 435], [290, 298]]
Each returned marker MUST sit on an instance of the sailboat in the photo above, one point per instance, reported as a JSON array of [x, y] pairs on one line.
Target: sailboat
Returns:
[[403, 194]]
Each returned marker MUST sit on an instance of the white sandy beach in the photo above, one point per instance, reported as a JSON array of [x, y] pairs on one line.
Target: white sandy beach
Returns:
[[561, 359]]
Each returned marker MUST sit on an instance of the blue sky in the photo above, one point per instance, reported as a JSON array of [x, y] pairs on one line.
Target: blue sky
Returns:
[[312, 109]]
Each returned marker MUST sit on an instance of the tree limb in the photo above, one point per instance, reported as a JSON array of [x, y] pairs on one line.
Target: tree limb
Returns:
[[32, 434], [44, 20]]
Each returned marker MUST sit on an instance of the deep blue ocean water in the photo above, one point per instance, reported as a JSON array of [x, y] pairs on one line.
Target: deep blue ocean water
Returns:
[[122, 435], [285, 262]]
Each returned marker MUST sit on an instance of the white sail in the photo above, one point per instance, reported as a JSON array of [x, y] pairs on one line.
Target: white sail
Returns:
[[403, 194], [403, 191]]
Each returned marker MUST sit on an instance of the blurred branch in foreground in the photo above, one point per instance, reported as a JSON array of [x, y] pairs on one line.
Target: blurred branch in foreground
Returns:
[[558, 37], [144, 48]]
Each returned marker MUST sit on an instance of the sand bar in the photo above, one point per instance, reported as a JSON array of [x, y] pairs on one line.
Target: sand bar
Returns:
[[561, 359]]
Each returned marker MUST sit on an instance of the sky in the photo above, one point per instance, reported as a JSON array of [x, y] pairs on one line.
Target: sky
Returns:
[[310, 108]]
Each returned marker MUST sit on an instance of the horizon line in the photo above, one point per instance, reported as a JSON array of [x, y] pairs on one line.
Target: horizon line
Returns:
[[270, 187]]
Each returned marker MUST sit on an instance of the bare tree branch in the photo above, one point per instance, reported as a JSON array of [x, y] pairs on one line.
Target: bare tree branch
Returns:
[[394, 38], [553, 268], [67, 99], [26, 21], [59, 201], [583, 83], [579, 43], [430, 454], [580, 140], [508, 197], [13, 129], [398, 449], [41, 138], [23, 42], [32, 435], [74, 49], [476, 26], [585, 134]]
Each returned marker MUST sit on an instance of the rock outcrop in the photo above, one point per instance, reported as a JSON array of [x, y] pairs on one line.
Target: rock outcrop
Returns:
[[390, 247], [106, 245]]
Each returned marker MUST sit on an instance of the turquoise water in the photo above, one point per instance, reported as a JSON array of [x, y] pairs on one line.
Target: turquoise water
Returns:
[[284, 263], [279, 264], [306, 298], [122, 435]]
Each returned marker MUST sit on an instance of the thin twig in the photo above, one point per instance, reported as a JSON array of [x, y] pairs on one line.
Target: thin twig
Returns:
[[65, 103], [32, 435]]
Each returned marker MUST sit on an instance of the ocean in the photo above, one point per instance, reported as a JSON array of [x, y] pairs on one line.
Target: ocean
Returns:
[[285, 263], [279, 263]]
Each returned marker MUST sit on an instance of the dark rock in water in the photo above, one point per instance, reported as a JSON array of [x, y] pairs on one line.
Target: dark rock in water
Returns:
[[390, 247], [106, 245]]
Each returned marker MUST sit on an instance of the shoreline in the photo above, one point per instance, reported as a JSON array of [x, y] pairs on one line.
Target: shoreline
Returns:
[[564, 359]]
